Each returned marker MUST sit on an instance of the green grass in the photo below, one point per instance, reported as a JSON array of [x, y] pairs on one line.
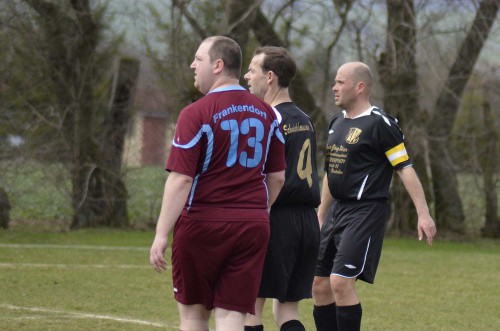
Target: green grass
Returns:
[[62, 281]]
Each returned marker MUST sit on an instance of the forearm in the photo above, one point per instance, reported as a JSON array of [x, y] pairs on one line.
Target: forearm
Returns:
[[414, 188], [176, 191], [274, 181], [426, 225]]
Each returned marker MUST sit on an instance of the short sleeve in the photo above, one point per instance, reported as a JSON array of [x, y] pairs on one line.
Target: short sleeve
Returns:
[[276, 155], [185, 151], [391, 140]]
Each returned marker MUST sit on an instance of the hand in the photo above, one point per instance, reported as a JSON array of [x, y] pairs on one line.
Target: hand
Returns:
[[427, 227], [157, 254]]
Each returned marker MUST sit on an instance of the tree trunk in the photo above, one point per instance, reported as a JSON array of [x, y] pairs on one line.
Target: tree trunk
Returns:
[[448, 205], [98, 193], [398, 74], [4, 209], [240, 14], [86, 159], [73, 36], [489, 164], [117, 122]]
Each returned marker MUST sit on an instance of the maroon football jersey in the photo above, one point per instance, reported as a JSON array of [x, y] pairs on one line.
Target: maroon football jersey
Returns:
[[227, 141]]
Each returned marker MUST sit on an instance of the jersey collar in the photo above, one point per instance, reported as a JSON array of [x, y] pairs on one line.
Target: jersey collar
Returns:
[[228, 88], [365, 113]]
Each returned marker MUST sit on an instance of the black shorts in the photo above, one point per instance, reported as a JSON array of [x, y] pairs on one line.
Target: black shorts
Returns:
[[291, 255], [351, 241]]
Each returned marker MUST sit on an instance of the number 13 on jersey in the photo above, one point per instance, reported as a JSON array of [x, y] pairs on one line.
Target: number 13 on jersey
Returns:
[[254, 142]]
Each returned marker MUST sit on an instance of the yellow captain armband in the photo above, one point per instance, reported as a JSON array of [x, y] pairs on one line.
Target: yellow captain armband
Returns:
[[397, 154]]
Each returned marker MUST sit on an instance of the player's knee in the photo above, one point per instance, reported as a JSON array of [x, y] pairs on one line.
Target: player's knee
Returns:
[[342, 286], [321, 285], [321, 290]]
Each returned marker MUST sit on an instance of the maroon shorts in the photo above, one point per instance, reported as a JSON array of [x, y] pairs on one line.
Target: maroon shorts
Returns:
[[219, 263]]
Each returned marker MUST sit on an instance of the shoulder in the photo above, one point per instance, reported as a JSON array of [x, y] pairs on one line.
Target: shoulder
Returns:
[[204, 101], [336, 117], [382, 117], [291, 110]]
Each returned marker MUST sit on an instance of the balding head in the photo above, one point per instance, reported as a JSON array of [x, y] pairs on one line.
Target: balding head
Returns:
[[352, 87], [358, 72]]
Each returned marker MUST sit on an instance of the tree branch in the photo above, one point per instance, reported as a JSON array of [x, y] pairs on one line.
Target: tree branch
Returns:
[[449, 98], [192, 21], [44, 8]]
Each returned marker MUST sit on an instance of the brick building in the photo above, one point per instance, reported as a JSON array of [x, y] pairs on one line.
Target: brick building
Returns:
[[148, 139]]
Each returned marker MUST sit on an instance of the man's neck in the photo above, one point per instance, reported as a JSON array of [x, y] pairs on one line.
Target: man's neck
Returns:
[[276, 96], [224, 82], [357, 109]]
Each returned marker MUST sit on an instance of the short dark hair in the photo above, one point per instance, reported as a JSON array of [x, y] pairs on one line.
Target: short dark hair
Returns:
[[229, 52], [280, 61]]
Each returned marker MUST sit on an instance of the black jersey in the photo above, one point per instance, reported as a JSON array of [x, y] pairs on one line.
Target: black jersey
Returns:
[[362, 153], [301, 186]]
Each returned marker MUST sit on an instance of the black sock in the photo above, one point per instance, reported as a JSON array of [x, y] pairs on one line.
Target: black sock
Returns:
[[349, 317], [325, 317], [254, 328], [292, 325]]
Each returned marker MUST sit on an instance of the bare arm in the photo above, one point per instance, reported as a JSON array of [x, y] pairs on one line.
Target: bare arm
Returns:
[[275, 181], [175, 194], [326, 201], [426, 225]]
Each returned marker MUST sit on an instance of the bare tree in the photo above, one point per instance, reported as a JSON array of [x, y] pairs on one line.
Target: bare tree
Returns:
[[249, 14], [448, 205], [398, 74], [113, 195], [60, 47], [240, 15]]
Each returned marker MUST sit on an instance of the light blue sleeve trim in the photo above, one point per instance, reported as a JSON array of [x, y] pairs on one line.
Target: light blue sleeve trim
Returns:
[[205, 129]]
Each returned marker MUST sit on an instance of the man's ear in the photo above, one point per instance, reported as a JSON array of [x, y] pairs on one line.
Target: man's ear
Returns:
[[361, 87], [218, 65], [271, 76]]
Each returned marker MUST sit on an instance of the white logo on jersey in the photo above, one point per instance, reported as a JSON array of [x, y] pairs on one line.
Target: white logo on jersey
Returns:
[[176, 290], [330, 132], [350, 266]]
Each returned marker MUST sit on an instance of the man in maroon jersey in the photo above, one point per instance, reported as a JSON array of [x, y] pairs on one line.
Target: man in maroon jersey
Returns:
[[227, 166]]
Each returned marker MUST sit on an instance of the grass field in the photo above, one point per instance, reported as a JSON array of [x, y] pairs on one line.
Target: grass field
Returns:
[[101, 280]]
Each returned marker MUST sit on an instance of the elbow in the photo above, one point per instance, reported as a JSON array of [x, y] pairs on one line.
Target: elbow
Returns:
[[281, 181], [276, 178], [179, 181], [187, 180], [280, 178]]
